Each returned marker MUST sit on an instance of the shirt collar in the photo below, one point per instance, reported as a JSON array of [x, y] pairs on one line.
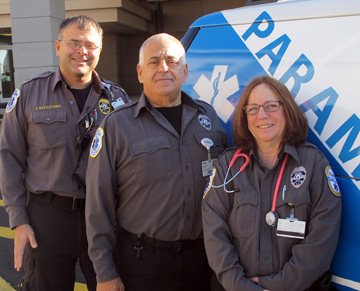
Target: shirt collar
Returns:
[[287, 149], [98, 86], [143, 103]]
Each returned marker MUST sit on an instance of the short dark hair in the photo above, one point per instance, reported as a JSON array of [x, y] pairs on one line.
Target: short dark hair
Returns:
[[83, 22], [296, 128]]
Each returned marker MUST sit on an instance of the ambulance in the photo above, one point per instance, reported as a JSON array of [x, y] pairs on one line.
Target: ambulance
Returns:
[[313, 47]]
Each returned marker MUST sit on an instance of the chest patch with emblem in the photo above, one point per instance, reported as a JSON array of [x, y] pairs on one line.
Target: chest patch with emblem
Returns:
[[298, 176], [205, 121], [104, 106]]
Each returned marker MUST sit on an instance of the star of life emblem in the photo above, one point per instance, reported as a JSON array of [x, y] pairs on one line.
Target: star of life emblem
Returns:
[[13, 100], [217, 90], [96, 144]]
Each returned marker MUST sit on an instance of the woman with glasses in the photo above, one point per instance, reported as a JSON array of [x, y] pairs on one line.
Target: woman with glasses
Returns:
[[274, 225]]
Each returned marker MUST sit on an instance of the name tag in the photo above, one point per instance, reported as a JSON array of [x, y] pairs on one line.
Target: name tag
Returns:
[[291, 228], [117, 103], [207, 167]]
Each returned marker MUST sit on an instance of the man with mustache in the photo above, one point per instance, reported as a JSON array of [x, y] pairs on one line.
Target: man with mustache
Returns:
[[147, 173]]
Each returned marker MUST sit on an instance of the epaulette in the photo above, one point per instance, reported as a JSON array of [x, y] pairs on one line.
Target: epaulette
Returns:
[[40, 76], [108, 84], [203, 104], [126, 105], [227, 150], [310, 145], [202, 101]]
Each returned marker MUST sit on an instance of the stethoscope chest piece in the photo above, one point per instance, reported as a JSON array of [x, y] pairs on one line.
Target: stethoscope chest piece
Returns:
[[271, 218]]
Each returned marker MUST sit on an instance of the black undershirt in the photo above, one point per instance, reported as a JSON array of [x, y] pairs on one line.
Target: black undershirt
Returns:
[[81, 95], [173, 115]]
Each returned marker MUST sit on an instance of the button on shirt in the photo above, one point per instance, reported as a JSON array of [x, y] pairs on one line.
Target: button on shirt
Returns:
[[38, 138], [235, 226], [155, 174]]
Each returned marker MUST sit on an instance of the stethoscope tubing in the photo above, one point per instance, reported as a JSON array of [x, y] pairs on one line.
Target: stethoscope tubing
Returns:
[[237, 155]]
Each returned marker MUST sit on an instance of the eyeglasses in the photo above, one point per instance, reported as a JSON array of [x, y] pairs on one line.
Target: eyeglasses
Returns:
[[269, 106], [75, 45]]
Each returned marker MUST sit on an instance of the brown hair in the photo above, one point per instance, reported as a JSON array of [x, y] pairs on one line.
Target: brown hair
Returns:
[[296, 122], [83, 22]]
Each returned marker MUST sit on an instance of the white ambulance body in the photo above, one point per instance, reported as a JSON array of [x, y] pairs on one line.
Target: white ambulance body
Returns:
[[312, 46]]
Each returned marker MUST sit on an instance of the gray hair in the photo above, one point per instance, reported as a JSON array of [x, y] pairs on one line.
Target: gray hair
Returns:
[[158, 37]]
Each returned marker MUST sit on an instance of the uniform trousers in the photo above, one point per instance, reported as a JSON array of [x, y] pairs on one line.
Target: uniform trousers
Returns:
[[61, 236], [146, 267]]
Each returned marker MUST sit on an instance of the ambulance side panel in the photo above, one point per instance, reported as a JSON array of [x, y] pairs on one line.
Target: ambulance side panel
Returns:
[[314, 48]]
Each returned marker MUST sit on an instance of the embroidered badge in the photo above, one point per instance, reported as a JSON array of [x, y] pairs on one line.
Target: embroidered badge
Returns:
[[104, 106], [298, 176], [13, 100], [96, 143], [209, 185], [205, 121], [332, 182]]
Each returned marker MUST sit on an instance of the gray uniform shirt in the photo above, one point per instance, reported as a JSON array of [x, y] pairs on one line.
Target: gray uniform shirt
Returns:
[[153, 173], [38, 139], [240, 244]]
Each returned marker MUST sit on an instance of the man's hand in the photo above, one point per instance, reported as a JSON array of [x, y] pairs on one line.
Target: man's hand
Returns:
[[113, 285], [256, 280], [23, 234]]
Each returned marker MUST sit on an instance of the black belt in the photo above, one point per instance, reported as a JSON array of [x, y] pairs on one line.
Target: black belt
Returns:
[[177, 246], [67, 202]]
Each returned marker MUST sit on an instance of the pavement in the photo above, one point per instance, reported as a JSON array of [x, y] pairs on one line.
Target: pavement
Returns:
[[9, 277]]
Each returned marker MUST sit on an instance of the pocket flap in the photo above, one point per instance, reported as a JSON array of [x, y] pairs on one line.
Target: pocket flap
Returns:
[[245, 197], [48, 117], [292, 198], [149, 145]]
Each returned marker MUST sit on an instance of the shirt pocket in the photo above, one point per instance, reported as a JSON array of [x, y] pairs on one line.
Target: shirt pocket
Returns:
[[299, 200], [47, 129], [152, 159], [244, 213]]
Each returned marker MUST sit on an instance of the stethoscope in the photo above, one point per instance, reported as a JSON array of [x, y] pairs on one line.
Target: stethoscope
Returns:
[[237, 155], [271, 217]]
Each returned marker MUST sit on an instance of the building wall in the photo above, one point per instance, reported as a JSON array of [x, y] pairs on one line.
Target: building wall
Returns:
[[126, 24], [177, 17]]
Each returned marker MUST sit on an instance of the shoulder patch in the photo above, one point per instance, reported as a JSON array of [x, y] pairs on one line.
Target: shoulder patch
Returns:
[[126, 105], [96, 144], [331, 180], [40, 76], [13, 100]]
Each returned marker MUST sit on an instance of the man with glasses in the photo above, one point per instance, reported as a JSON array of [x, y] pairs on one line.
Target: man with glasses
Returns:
[[44, 149]]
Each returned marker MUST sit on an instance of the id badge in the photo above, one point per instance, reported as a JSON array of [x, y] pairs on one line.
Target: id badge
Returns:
[[291, 228], [117, 103], [207, 167]]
